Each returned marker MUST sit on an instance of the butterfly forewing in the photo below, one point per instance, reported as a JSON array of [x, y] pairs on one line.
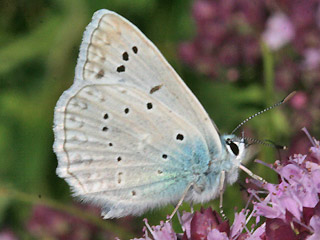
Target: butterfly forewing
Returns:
[[115, 51], [129, 134]]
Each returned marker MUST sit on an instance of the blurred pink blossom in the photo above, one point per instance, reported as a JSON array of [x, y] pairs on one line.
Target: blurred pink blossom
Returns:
[[299, 100], [227, 46], [225, 36], [311, 58], [279, 31], [7, 235], [47, 223]]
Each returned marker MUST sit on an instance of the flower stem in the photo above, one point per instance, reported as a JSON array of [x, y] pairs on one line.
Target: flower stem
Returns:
[[268, 72]]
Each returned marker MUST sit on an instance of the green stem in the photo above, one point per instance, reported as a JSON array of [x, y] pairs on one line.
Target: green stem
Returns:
[[268, 72], [79, 213]]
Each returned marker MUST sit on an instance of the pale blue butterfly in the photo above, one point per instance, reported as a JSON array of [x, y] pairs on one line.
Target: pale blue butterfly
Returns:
[[129, 134]]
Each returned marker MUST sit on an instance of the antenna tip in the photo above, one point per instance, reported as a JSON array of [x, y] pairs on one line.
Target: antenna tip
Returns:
[[287, 98], [280, 147]]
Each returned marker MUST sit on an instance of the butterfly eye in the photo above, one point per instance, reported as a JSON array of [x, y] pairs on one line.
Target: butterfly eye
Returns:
[[234, 147]]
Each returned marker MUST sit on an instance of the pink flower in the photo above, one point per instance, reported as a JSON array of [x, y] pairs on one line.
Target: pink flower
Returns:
[[279, 31], [311, 58], [227, 47], [214, 234], [164, 231], [315, 224], [188, 51], [227, 36], [205, 221], [279, 229], [50, 223], [7, 235], [291, 205], [299, 100], [204, 225], [186, 223], [238, 224], [204, 10]]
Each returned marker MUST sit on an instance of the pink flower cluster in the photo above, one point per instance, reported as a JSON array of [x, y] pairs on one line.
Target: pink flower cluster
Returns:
[[290, 209], [227, 46], [204, 224], [226, 37], [292, 206]]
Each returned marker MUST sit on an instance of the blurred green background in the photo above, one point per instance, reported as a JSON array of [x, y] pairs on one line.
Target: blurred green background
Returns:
[[39, 43]]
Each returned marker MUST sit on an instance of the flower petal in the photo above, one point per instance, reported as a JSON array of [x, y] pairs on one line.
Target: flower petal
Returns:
[[278, 229], [214, 234]]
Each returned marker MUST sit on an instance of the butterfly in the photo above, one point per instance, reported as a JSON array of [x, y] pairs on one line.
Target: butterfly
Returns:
[[130, 135]]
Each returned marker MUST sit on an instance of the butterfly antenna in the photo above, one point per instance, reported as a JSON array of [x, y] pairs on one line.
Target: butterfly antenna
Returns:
[[268, 143], [264, 110], [278, 148]]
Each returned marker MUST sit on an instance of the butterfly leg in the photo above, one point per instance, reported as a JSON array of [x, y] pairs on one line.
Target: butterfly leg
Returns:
[[179, 217], [191, 208], [251, 174], [180, 201], [221, 187]]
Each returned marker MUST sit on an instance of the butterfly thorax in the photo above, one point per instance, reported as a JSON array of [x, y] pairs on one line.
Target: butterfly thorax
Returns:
[[233, 151]]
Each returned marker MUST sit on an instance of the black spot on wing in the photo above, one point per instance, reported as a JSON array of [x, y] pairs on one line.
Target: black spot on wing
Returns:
[[125, 56], [179, 137], [121, 68], [149, 105], [155, 88], [135, 49]]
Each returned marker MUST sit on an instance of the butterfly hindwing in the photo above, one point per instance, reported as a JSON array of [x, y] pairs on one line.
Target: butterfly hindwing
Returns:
[[120, 149]]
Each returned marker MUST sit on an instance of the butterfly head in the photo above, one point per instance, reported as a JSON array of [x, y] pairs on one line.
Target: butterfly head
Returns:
[[235, 151], [235, 146]]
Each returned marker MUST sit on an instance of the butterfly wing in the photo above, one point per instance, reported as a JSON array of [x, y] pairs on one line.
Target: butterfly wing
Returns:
[[115, 51], [129, 134]]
